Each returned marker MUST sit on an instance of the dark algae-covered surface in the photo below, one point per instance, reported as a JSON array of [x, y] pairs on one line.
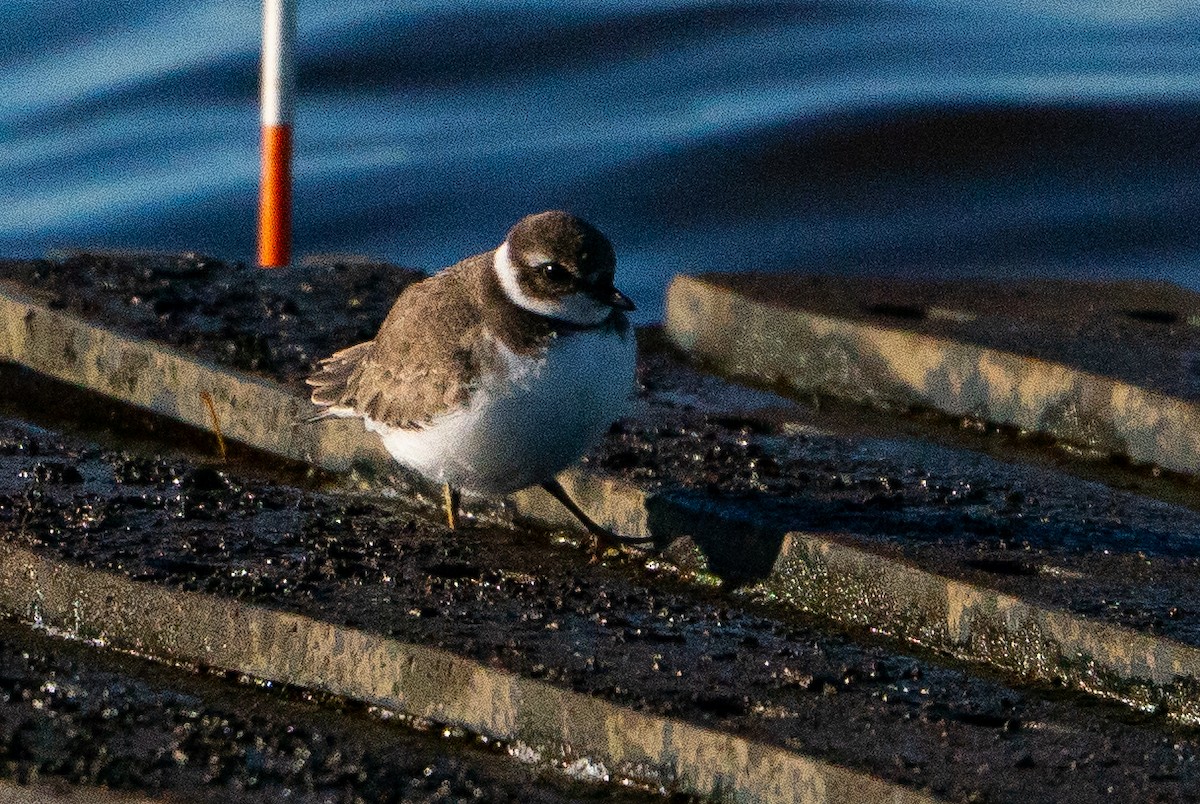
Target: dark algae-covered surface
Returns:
[[69, 712], [277, 323], [633, 629], [1028, 530], [626, 630]]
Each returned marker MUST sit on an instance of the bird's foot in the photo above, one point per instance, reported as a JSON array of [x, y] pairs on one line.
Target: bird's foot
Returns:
[[602, 538]]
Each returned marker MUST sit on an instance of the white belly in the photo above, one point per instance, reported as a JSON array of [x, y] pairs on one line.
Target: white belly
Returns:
[[524, 430]]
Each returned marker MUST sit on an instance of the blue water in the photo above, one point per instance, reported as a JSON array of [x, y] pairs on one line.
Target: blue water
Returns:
[[923, 137]]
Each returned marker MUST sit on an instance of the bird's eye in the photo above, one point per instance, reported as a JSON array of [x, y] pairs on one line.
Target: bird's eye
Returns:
[[555, 272]]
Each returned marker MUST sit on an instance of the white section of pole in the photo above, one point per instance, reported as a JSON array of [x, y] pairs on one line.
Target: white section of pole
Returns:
[[278, 61]]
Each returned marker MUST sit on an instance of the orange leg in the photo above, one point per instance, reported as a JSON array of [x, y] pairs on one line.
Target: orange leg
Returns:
[[450, 498]]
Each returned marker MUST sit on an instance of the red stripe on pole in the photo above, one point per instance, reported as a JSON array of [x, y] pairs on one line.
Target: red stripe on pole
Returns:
[[275, 198]]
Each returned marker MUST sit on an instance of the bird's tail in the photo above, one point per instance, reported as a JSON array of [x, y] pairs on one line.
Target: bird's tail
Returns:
[[330, 383]]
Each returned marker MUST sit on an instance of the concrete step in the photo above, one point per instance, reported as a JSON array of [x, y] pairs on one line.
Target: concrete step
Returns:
[[1111, 367], [823, 573], [707, 494]]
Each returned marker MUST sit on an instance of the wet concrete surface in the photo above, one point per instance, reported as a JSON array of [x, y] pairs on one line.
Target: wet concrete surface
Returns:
[[1146, 333], [1098, 393], [71, 713], [1030, 530], [631, 629], [273, 322], [1027, 530]]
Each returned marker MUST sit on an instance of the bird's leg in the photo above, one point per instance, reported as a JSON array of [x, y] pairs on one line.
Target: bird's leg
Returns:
[[603, 536], [450, 497]]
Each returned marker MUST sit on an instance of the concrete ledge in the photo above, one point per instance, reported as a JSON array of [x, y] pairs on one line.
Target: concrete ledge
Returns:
[[166, 381], [818, 573], [53, 793], [1148, 672], [807, 352], [812, 572], [420, 682]]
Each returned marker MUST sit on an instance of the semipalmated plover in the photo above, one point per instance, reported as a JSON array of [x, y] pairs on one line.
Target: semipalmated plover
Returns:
[[499, 371]]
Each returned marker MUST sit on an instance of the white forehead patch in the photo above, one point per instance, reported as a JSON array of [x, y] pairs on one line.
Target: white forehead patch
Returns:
[[578, 308]]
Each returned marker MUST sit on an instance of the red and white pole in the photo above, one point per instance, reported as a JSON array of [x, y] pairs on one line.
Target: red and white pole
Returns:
[[278, 86]]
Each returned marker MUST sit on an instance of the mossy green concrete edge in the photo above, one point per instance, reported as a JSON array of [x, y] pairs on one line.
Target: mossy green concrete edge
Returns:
[[807, 352], [810, 572], [420, 682]]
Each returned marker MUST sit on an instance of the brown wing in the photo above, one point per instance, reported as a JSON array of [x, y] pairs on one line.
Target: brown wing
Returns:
[[421, 362]]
